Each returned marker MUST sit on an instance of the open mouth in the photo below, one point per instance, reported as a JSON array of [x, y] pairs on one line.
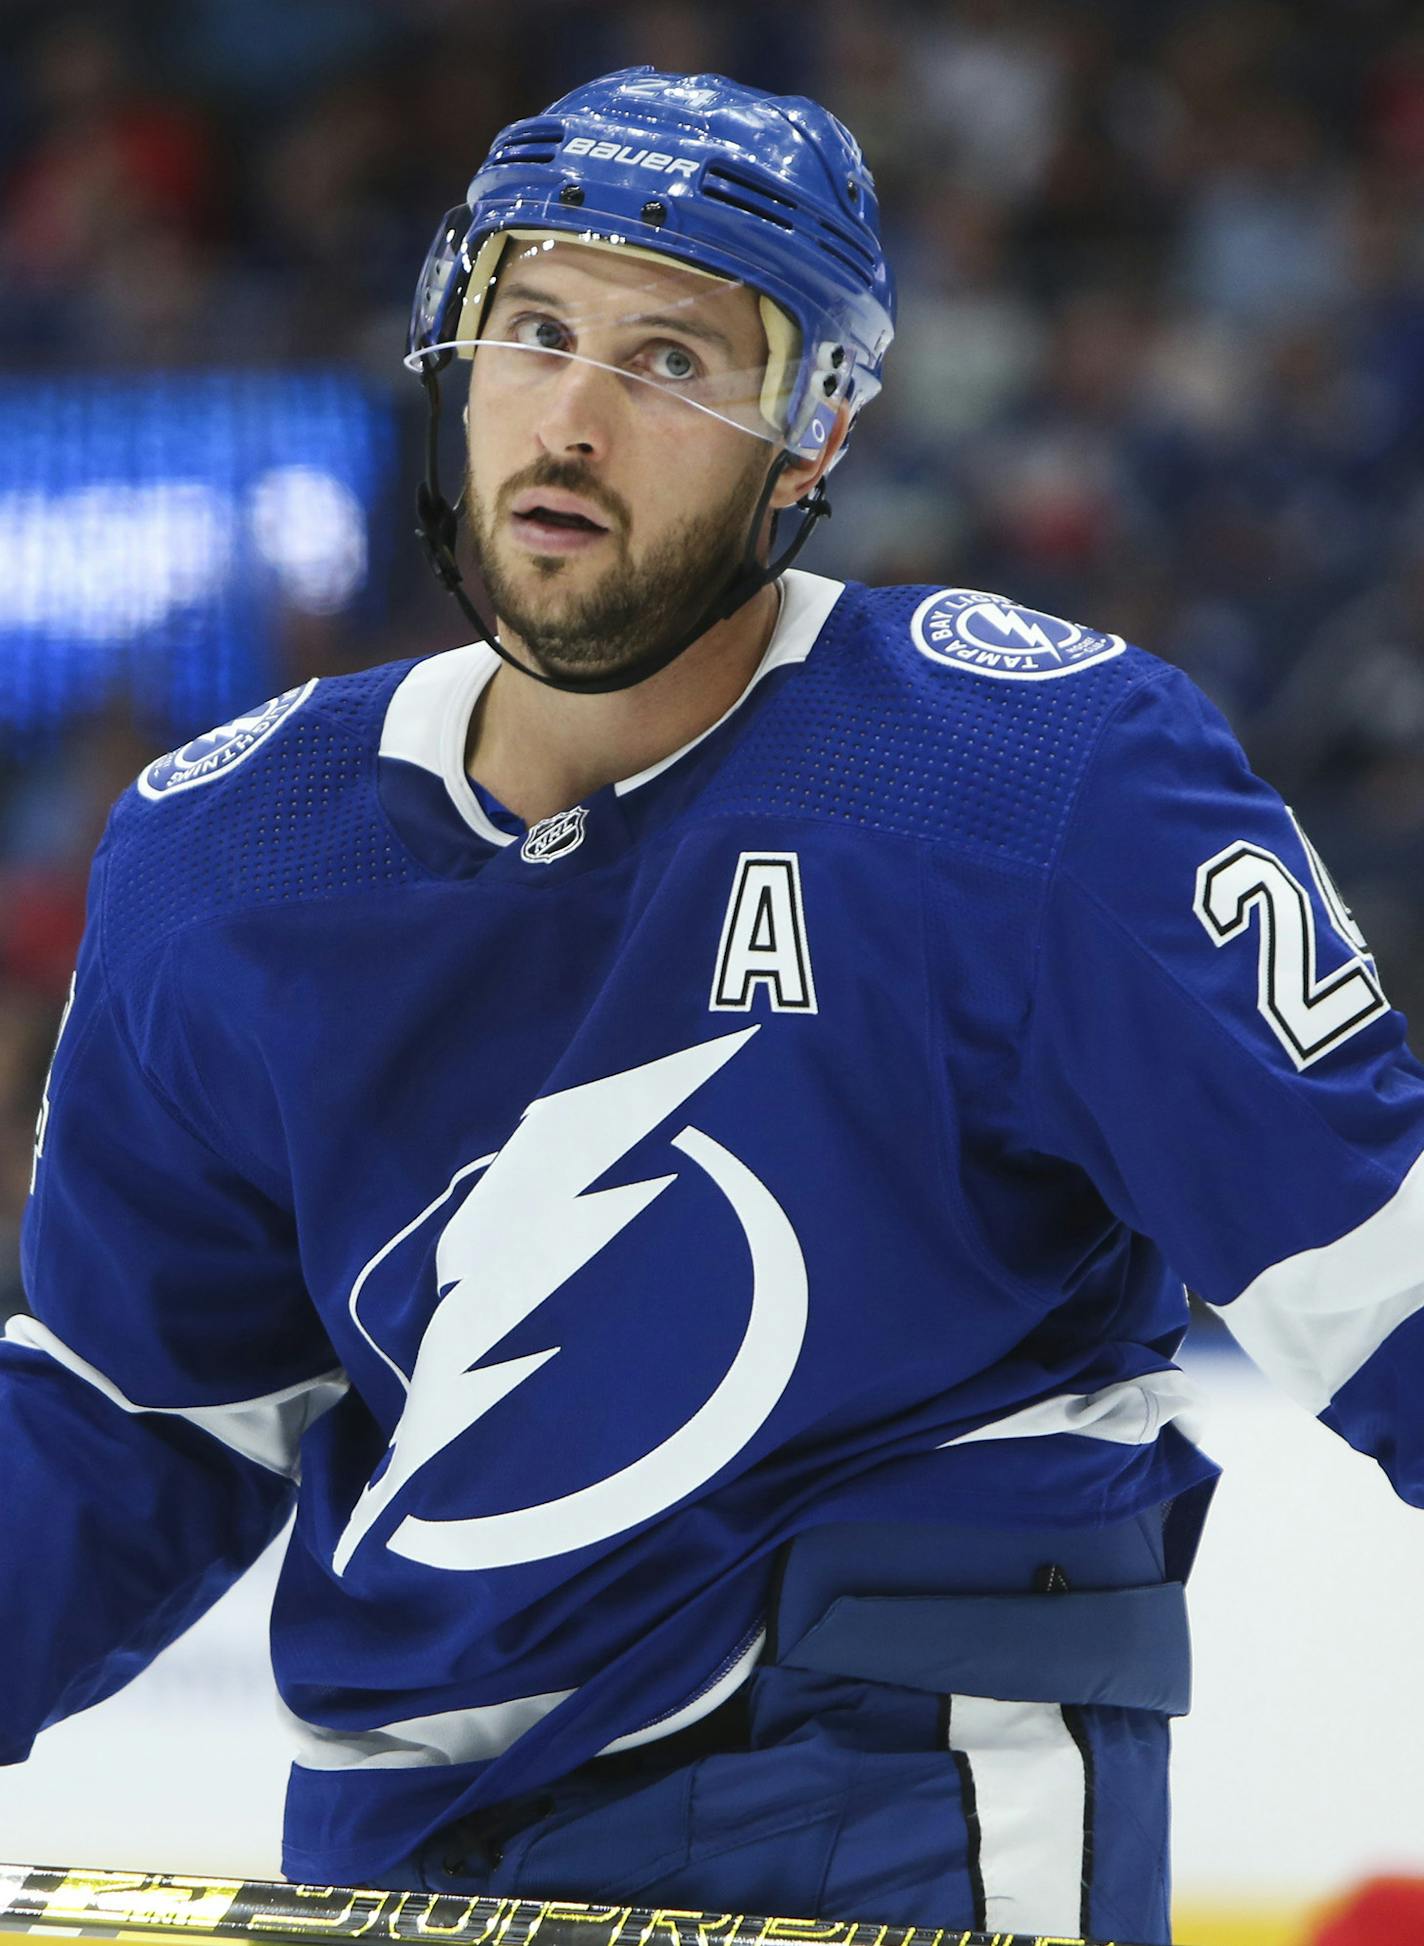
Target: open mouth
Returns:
[[556, 524], [557, 511], [541, 516]]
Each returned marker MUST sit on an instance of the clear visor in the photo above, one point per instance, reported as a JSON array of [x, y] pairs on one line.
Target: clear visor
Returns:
[[541, 306]]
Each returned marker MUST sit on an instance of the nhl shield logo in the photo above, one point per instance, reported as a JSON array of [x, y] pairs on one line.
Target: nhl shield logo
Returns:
[[214, 754], [553, 837], [966, 628]]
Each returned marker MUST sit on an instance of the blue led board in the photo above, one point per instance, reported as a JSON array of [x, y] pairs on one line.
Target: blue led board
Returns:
[[154, 529]]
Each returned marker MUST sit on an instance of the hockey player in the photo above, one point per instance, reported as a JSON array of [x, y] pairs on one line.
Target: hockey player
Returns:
[[674, 1133]]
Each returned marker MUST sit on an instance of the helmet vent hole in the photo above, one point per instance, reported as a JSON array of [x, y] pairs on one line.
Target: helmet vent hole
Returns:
[[745, 193], [535, 142], [751, 185], [846, 249]]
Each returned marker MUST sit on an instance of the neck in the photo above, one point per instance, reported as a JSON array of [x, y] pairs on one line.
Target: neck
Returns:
[[540, 750]]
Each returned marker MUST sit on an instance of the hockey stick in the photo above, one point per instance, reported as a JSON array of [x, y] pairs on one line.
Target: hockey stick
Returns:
[[160, 1909]]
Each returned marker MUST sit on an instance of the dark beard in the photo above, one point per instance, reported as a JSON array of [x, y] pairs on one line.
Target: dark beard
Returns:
[[635, 609]]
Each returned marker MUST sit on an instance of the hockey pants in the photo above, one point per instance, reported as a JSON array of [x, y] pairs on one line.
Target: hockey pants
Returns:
[[983, 1747]]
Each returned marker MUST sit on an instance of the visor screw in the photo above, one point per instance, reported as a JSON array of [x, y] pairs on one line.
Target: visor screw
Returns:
[[655, 212], [853, 189], [571, 194]]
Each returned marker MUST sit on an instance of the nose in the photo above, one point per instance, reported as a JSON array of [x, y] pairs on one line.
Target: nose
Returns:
[[578, 405]]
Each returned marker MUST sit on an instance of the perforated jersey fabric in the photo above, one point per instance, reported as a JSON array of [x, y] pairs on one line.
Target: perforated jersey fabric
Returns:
[[878, 736], [818, 1128], [869, 733], [298, 820]]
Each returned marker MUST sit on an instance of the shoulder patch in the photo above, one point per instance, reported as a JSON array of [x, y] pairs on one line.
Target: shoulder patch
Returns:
[[213, 754], [981, 633]]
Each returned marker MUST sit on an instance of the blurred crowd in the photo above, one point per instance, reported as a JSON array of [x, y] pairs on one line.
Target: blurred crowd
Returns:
[[1160, 365]]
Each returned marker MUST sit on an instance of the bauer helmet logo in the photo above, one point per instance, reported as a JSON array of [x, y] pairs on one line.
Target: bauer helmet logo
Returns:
[[668, 165]]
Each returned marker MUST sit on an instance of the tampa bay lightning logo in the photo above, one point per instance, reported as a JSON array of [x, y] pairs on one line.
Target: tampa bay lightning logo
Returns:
[[215, 753], [969, 629], [510, 1231]]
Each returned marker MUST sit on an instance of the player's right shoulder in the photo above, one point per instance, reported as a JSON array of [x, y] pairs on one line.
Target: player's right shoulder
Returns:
[[278, 803], [215, 754]]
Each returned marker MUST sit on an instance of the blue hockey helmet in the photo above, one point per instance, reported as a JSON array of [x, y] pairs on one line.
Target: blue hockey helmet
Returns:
[[769, 190]]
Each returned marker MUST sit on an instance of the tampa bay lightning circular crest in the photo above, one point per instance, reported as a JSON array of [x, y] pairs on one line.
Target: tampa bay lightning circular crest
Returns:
[[213, 754], [967, 628]]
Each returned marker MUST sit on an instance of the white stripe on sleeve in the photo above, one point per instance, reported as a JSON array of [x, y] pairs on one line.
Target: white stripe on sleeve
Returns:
[[1311, 1321], [267, 1430]]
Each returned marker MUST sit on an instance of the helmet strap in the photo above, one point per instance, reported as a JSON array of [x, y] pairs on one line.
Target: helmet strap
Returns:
[[437, 529]]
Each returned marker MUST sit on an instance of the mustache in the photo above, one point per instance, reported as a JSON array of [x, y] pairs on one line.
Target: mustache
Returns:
[[572, 476]]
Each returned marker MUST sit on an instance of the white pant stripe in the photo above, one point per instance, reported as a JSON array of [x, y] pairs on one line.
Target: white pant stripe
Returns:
[[1030, 1792]]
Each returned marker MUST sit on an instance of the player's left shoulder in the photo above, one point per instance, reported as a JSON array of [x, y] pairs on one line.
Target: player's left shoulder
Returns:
[[886, 727], [975, 648], [967, 718]]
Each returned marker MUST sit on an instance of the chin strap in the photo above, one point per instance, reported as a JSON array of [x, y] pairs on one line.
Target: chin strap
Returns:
[[438, 527]]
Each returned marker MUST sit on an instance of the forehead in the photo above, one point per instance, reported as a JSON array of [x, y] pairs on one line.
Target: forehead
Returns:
[[609, 285]]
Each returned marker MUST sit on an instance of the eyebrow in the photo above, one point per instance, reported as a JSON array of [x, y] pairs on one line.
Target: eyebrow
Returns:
[[522, 293]]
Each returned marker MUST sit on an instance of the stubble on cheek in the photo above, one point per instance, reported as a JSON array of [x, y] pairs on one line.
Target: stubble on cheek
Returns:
[[575, 616]]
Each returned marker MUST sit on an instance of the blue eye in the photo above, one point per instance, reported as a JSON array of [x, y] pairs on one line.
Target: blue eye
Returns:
[[672, 361]]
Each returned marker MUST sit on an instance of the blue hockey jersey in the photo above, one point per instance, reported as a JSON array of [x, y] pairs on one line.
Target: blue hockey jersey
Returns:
[[818, 1126]]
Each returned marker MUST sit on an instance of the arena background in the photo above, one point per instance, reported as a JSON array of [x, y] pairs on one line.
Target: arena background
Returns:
[[1160, 368]]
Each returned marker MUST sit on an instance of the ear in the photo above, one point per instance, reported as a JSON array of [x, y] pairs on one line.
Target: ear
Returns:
[[802, 474]]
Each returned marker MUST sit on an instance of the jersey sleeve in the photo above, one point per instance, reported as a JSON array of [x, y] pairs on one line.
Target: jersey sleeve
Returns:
[[1211, 1044], [153, 1402]]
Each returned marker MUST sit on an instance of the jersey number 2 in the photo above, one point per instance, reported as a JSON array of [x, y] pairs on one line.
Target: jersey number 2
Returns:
[[1307, 1015]]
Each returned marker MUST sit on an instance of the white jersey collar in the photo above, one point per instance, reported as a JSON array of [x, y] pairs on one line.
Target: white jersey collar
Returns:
[[428, 717]]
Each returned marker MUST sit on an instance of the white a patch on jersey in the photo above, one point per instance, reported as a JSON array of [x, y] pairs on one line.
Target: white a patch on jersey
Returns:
[[764, 938]]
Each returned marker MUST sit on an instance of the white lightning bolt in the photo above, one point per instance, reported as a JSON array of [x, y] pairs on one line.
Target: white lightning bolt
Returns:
[[521, 1233], [1009, 621]]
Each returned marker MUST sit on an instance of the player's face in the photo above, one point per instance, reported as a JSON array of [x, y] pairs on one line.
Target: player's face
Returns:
[[605, 510]]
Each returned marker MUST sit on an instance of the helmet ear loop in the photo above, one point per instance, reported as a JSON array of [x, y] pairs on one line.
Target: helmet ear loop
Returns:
[[751, 575], [437, 521], [814, 506]]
